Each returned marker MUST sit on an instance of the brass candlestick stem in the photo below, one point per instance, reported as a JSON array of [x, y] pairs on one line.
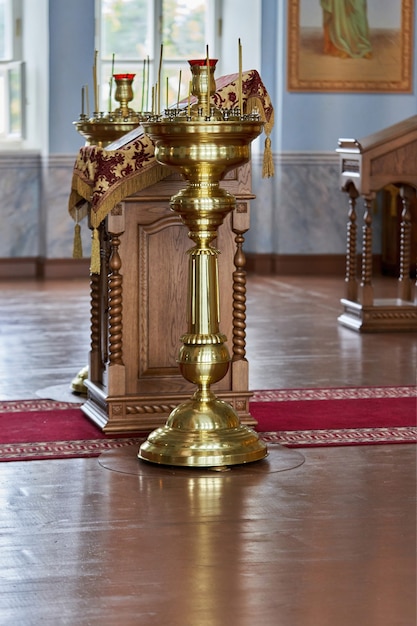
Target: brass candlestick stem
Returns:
[[203, 431]]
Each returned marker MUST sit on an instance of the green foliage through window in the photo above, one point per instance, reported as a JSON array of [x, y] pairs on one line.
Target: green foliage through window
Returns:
[[132, 31]]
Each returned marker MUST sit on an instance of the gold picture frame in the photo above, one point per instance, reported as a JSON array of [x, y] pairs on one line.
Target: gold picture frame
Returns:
[[314, 64]]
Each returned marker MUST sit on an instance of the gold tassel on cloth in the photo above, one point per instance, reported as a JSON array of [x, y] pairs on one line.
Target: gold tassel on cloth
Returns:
[[268, 163], [95, 253], [77, 250], [254, 104]]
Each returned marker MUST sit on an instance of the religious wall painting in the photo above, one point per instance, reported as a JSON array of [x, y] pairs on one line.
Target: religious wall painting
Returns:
[[350, 45]]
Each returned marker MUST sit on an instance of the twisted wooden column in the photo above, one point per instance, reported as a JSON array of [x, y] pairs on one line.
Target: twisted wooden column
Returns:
[[366, 281], [351, 263], [96, 363], [115, 303], [239, 298], [404, 281], [94, 368]]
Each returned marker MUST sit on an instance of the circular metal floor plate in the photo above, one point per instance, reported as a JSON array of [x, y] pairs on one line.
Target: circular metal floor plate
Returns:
[[126, 461]]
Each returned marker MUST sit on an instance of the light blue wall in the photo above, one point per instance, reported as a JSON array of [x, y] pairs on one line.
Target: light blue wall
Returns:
[[315, 121], [299, 211], [304, 121], [302, 209], [71, 56]]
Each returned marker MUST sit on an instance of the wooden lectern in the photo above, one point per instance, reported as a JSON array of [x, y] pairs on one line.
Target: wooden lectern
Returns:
[[388, 157], [139, 273], [138, 304]]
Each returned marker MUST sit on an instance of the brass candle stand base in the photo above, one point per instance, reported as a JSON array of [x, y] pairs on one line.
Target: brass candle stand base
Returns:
[[203, 432], [203, 145]]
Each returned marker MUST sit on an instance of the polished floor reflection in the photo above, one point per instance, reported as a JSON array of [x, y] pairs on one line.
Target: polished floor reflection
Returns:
[[329, 541], [293, 338]]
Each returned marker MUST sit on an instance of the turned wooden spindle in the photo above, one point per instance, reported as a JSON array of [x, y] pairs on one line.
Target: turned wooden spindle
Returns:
[[115, 303], [239, 298], [351, 260], [97, 292], [104, 293], [95, 334], [366, 276], [404, 281]]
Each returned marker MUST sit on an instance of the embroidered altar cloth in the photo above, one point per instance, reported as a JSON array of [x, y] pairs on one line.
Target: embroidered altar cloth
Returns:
[[102, 178]]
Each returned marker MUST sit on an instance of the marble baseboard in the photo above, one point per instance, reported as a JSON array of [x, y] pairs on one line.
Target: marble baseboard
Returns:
[[302, 210], [299, 211], [34, 193]]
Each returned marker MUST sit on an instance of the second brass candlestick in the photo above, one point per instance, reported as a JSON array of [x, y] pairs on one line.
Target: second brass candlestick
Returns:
[[203, 431]]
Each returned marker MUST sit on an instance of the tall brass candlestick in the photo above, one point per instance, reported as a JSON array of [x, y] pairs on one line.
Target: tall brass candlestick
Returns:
[[203, 431]]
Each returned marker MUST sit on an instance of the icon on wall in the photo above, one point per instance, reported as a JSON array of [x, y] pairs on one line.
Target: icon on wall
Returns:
[[345, 46]]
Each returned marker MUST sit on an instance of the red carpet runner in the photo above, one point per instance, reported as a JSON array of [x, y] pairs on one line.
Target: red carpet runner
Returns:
[[45, 429]]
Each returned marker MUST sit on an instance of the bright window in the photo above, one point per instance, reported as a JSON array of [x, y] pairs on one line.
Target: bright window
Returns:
[[129, 39], [11, 71], [6, 44]]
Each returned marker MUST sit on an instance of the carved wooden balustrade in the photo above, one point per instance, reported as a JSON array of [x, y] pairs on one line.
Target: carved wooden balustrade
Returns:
[[388, 157]]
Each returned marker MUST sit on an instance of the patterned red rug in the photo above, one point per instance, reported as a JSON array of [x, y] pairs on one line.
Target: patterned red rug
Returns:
[[46, 429]]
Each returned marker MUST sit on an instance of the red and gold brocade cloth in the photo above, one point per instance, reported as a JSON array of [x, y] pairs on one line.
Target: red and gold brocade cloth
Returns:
[[102, 177]]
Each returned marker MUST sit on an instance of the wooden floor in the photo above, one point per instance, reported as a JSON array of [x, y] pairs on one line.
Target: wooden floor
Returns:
[[293, 339], [313, 537]]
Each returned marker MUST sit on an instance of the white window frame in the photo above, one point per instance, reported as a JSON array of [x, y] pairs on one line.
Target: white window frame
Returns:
[[12, 63], [214, 32], [8, 56], [6, 70]]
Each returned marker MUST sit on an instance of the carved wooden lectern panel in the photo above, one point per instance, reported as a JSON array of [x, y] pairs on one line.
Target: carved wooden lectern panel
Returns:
[[138, 308]]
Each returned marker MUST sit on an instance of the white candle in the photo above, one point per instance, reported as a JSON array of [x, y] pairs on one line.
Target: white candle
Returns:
[[95, 86], [240, 79], [179, 91], [208, 81], [87, 100], [143, 85], [111, 83], [147, 84], [158, 86], [189, 98]]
